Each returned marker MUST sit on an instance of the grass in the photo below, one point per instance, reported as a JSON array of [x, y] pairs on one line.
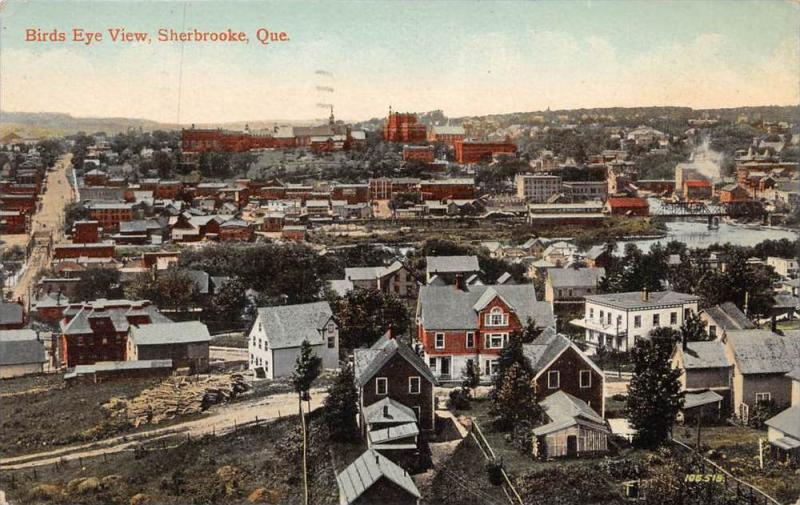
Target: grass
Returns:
[[735, 448]]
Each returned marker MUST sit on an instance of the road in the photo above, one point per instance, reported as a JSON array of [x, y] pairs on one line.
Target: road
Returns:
[[219, 420], [49, 219]]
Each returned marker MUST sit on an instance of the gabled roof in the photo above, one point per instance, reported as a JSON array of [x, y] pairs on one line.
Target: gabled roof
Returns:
[[170, 333], [452, 264], [787, 422], [200, 279], [289, 325], [575, 277], [448, 308], [369, 361], [368, 469], [115, 310], [15, 335], [565, 410], [729, 317], [794, 374], [761, 351], [392, 433], [10, 313], [547, 347], [709, 354]]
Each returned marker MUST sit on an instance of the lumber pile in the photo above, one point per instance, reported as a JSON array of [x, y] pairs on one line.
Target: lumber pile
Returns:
[[175, 396]]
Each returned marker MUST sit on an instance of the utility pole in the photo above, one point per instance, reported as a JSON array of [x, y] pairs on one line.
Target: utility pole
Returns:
[[305, 450], [699, 421]]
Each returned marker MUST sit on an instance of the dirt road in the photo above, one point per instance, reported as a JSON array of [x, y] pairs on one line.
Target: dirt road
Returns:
[[49, 220], [219, 420]]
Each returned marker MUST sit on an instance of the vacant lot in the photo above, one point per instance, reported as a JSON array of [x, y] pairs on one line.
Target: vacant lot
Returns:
[[38, 413], [258, 464]]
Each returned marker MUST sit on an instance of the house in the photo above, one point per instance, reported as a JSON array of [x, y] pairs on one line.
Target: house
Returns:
[[733, 193], [21, 353], [598, 256], [627, 206], [785, 267], [395, 279], [278, 332], [390, 370], [98, 330], [12, 315], [184, 343], [373, 478], [104, 371], [570, 285], [450, 268], [293, 232], [559, 365], [560, 253], [783, 430], [617, 320], [761, 359], [704, 368], [573, 429], [720, 319], [458, 326]]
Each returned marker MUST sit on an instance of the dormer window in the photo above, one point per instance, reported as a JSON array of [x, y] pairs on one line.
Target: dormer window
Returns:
[[496, 317]]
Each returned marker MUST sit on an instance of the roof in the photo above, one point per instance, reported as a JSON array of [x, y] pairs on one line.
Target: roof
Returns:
[[787, 422], [698, 184], [452, 264], [794, 374], [370, 273], [547, 347], [289, 325], [565, 410], [693, 400], [15, 335], [704, 355], [116, 310], [729, 317], [628, 203], [369, 361], [448, 308], [200, 279], [170, 333], [21, 352], [449, 130], [575, 277], [392, 433], [761, 351], [388, 411], [11, 313], [633, 299], [368, 469]]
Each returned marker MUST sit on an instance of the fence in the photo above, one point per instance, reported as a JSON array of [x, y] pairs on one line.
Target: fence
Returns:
[[489, 454], [744, 492]]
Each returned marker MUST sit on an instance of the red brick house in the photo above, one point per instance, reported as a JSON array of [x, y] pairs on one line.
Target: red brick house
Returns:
[[98, 330], [559, 365], [111, 214], [627, 206], [352, 193], [390, 371], [86, 232], [235, 230], [12, 221], [457, 326]]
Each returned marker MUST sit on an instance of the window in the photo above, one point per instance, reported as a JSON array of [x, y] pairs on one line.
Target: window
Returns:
[[585, 378], [413, 385], [602, 315], [470, 340], [439, 341], [496, 318], [637, 321], [609, 318], [673, 318], [493, 366], [656, 319], [763, 397], [591, 313], [712, 331], [495, 340], [331, 342], [381, 386], [553, 379], [432, 363]]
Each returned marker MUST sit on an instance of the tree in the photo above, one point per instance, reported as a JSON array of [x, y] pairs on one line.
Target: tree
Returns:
[[98, 283], [693, 328], [471, 376], [173, 288], [654, 395], [515, 401], [341, 406], [364, 315], [306, 370], [229, 302]]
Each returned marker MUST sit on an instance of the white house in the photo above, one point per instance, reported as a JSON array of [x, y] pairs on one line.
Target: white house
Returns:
[[785, 267], [617, 320], [278, 332]]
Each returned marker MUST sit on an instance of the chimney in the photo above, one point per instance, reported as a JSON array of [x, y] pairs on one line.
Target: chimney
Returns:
[[385, 411], [773, 325], [390, 332], [460, 284], [377, 459], [684, 342], [645, 295]]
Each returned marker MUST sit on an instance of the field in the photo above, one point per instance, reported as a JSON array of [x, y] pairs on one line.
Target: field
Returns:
[[261, 464]]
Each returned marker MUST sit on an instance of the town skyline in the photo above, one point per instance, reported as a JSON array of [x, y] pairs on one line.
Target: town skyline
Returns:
[[531, 57]]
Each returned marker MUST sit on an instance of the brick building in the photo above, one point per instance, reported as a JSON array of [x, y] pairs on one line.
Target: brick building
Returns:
[[476, 151], [403, 128], [423, 154], [447, 134], [12, 221], [111, 214], [620, 206], [457, 189], [92, 250], [86, 232]]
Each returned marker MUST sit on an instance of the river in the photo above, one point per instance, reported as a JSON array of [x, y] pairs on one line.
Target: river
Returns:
[[695, 233]]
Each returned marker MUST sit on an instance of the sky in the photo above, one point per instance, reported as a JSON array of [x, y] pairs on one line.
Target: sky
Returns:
[[464, 57]]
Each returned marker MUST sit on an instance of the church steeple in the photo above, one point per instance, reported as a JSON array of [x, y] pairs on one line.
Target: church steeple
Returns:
[[331, 120]]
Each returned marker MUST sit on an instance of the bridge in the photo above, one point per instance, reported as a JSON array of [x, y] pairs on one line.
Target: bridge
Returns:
[[687, 209]]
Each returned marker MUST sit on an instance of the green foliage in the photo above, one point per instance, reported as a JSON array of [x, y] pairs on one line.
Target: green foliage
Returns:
[[471, 377], [230, 301], [98, 283], [654, 395], [306, 370], [74, 212], [364, 315], [460, 399], [693, 328], [172, 288], [515, 401], [761, 412], [341, 406]]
